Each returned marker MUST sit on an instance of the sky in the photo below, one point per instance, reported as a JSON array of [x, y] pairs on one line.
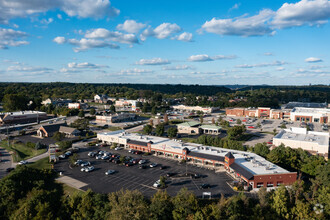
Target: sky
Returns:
[[213, 42]]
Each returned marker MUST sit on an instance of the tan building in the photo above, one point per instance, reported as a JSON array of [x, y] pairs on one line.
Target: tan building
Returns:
[[114, 118], [190, 127], [194, 108], [22, 117]]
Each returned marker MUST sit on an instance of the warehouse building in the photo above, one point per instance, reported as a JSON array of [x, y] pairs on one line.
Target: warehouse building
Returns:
[[114, 118], [320, 115], [252, 169], [317, 143], [194, 108], [22, 117]]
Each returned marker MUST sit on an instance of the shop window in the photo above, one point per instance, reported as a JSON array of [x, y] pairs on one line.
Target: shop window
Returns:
[[270, 184], [307, 119], [279, 183], [259, 185], [297, 119], [316, 120]]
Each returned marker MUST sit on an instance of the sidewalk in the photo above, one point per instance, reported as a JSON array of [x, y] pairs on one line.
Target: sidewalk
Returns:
[[71, 182]]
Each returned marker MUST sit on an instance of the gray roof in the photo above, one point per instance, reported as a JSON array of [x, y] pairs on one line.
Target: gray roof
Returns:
[[52, 128], [68, 130], [240, 170], [206, 156]]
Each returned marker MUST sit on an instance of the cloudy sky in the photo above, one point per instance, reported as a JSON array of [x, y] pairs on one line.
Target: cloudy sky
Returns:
[[212, 42]]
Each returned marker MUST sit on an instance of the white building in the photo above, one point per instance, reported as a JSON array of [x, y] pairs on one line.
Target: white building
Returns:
[[194, 108], [115, 117], [22, 117], [123, 103], [314, 142], [320, 115]]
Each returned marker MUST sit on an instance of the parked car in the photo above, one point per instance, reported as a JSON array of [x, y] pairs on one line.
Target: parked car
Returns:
[[250, 126], [78, 162], [98, 157], [62, 156], [118, 148], [153, 165], [142, 166], [92, 154], [105, 157], [170, 174], [156, 184], [9, 169], [138, 152], [109, 172], [22, 162], [85, 164], [129, 164], [68, 153], [131, 151], [162, 167], [89, 169], [142, 161], [205, 186], [116, 161], [135, 161]]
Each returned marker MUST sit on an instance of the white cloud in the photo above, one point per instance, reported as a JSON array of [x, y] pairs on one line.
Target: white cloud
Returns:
[[163, 31], [85, 65], [302, 13], [154, 61], [134, 71], [59, 16], [85, 44], [46, 21], [242, 26], [11, 38], [275, 63], [205, 57], [81, 8], [116, 36], [313, 60], [59, 40], [200, 58], [178, 67], [25, 70], [268, 54], [236, 6], [131, 26], [281, 68], [185, 36]]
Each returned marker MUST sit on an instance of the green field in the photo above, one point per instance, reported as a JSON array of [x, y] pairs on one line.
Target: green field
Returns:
[[40, 164], [70, 191], [21, 151]]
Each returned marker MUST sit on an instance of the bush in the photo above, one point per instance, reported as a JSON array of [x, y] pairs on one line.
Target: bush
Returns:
[[39, 146], [30, 145]]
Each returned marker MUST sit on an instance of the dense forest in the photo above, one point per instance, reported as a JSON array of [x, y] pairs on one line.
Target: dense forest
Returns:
[[28, 193], [271, 96]]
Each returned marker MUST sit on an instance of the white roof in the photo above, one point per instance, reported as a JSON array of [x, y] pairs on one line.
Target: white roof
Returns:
[[24, 113], [252, 162], [297, 134], [311, 110]]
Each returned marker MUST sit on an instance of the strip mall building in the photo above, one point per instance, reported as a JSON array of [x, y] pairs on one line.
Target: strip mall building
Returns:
[[318, 115], [247, 167]]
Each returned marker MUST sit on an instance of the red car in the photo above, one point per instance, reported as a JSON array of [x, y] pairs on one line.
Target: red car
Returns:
[[250, 126], [270, 142]]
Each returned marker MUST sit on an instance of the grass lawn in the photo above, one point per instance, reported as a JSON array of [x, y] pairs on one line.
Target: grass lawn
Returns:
[[21, 151], [114, 128], [69, 191], [186, 139], [40, 164], [245, 137]]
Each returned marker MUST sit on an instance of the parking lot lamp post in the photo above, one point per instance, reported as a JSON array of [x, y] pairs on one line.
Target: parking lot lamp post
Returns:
[[8, 137]]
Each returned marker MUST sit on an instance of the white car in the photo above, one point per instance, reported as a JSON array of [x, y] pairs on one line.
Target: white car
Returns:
[[98, 157], [157, 184], [83, 169], [22, 162], [142, 161], [85, 164], [109, 172], [118, 148], [89, 169], [153, 165], [78, 162]]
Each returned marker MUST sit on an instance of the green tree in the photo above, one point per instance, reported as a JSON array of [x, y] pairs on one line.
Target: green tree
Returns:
[[238, 121], [160, 128], [58, 136], [112, 108], [14, 102], [127, 205], [92, 111], [274, 131], [201, 119], [147, 129], [65, 145], [154, 110], [172, 132], [261, 149], [283, 126], [162, 181], [185, 204], [235, 132], [81, 114], [161, 206], [280, 202], [73, 159]]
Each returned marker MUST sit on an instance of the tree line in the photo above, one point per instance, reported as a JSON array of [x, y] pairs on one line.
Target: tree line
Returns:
[[29, 193]]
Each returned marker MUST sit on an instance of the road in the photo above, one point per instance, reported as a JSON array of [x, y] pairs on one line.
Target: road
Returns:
[[5, 162]]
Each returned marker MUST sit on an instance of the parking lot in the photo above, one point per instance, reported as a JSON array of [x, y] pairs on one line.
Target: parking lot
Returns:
[[133, 178]]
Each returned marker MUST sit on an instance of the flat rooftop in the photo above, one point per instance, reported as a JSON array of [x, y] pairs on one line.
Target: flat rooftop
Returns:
[[23, 113], [292, 105], [251, 162], [311, 110], [296, 134]]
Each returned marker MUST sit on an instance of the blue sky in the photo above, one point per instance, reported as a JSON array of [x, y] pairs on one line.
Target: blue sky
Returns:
[[212, 42]]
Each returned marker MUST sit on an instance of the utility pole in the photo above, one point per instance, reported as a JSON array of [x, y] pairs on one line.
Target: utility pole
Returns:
[[8, 137]]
